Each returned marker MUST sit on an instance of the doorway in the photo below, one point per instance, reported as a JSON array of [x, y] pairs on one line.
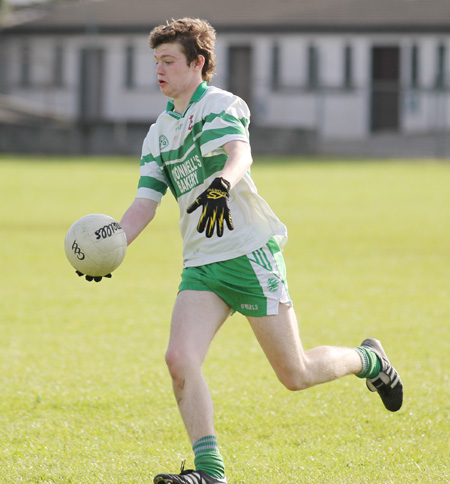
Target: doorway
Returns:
[[240, 72], [385, 95], [91, 83]]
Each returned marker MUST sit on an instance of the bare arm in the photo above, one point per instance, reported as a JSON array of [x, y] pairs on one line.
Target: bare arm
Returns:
[[238, 163], [214, 199], [140, 213]]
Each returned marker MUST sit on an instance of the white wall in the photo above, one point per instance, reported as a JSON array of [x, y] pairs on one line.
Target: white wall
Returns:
[[333, 111]]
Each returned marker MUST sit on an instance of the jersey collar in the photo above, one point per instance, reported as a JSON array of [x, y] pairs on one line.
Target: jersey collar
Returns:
[[198, 94]]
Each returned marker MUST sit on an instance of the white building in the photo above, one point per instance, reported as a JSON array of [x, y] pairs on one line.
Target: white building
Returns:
[[344, 69]]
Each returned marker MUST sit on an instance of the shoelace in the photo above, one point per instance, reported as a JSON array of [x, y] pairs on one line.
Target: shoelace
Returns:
[[182, 471]]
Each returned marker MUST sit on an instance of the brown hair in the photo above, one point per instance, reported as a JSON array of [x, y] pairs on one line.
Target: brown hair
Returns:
[[197, 37]]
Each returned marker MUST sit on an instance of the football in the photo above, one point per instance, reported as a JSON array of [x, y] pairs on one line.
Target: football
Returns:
[[95, 245]]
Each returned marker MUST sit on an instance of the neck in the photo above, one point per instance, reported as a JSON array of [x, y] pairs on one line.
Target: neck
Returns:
[[182, 102], [180, 105]]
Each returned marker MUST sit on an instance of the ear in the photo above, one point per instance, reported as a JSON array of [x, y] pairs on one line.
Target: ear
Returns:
[[198, 63]]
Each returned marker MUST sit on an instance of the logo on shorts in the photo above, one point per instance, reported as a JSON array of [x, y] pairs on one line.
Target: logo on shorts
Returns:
[[250, 307], [163, 142], [273, 284]]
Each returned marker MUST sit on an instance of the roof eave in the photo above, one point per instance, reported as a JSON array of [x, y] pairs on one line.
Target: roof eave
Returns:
[[74, 29]]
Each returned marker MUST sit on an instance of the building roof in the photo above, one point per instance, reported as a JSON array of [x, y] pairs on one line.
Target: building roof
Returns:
[[244, 15]]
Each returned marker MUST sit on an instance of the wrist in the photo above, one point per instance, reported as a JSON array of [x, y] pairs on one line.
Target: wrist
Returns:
[[225, 184]]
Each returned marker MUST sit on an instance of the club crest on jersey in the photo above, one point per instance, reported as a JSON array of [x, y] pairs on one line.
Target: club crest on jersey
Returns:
[[163, 142]]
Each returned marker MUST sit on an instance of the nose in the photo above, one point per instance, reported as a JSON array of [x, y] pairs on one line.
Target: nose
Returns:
[[159, 68]]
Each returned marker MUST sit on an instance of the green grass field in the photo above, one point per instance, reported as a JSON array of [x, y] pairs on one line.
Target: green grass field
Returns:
[[85, 394]]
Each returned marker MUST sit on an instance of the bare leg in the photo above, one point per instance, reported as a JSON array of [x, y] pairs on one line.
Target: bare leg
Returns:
[[197, 316], [279, 338]]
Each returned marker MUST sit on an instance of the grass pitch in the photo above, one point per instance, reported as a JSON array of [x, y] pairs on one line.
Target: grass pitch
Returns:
[[85, 395]]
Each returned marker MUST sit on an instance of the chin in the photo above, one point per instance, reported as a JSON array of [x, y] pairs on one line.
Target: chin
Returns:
[[165, 91]]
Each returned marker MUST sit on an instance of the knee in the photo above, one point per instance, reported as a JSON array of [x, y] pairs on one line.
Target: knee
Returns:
[[174, 362], [179, 363], [295, 379], [295, 383]]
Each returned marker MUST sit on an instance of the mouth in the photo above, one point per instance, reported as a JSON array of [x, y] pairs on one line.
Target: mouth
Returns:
[[161, 82]]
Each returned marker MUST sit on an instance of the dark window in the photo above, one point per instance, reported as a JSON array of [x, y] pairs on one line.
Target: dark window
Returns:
[[441, 67], [313, 73], [129, 66], [275, 67], [414, 66], [385, 96], [58, 66], [348, 67], [25, 66]]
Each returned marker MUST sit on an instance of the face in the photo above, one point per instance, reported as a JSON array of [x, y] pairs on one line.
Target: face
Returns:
[[176, 78]]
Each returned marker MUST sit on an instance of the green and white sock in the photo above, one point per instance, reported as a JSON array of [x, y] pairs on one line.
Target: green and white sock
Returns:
[[208, 457], [371, 365]]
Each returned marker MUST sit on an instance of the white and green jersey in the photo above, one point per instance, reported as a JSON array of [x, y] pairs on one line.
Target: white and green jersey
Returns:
[[184, 152]]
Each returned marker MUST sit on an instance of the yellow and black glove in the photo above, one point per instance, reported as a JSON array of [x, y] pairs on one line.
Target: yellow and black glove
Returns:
[[216, 211]]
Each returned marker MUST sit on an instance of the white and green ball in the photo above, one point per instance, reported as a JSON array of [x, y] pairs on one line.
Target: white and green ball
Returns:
[[95, 245]]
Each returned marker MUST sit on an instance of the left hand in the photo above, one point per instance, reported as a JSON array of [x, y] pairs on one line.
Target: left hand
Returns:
[[92, 278], [214, 201]]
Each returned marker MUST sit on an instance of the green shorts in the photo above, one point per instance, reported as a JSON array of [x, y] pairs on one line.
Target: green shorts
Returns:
[[253, 284]]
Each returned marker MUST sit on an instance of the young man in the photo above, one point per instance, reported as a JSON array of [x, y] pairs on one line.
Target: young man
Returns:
[[232, 245]]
